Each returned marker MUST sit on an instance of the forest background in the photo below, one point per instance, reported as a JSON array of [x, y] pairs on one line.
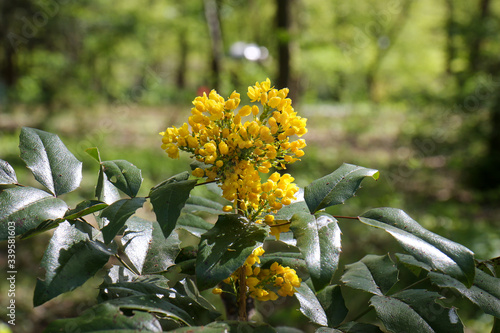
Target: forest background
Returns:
[[411, 88]]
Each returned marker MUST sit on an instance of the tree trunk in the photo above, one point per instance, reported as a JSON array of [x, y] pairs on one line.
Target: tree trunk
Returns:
[[213, 22], [181, 70], [450, 32], [283, 11], [479, 35]]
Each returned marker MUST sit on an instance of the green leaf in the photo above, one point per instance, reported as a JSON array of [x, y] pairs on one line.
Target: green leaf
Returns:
[[168, 198], [184, 295], [413, 264], [27, 207], [355, 327], [85, 208], [440, 318], [318, 238], [333, 303], [485, 292], [136, 240], [7, 173], [286, 213], [327, 330], [52, 164], [194, 224], [351, 327], [225, 247], [216, 327], [416, 309], [117, 214], [200, 309], [310, 305], [154, 304], [107, 318], [374, 274], [286, 255], [119, 274], [70, 259], [124, 175], [161, 252], [41, 228], [195, 204], [440, 253], [94, 153], [105, 191], [229, 327], [336, 187], [286, 329]]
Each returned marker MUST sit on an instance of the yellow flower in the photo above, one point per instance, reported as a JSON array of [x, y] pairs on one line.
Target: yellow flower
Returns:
[[235, 151], [198, 172], [217, 291]]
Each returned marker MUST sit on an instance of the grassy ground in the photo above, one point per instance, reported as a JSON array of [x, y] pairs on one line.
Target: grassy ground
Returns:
[[419, 176]]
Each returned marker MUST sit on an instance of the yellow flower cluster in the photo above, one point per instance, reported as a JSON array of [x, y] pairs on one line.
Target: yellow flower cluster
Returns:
[[234, 151], [266, 284]]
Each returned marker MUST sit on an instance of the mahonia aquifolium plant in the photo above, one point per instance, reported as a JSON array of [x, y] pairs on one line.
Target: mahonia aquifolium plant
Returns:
[[159, 268], [234, 152]]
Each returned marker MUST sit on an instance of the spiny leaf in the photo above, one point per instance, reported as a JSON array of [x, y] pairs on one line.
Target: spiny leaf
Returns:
[[161, 252], [485, 292], [117, 214], [318, 238], [168, 198], [85, 208], [27, 208], [124, 175], [225, 247], [7, 173], [70, 259], [333, 303], [336, 187], [52, 164], [440, 253], [416, 309], [136, 240], [94, 153], [374, 274], [107, 317], [310, 305]]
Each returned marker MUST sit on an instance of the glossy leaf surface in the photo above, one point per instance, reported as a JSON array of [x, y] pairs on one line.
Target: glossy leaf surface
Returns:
[[374, 274], [318, 238], [117, 214], [225, 247], [136, 240], [85, 208], [52, 164], [26, 208], [168, 199], [124, 175], [108, 318], [70, 259], [310, 305], [485, 292], [7, 173], [161, 252], [333, 304], [440, 253], [416, 309], [337, 187]]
